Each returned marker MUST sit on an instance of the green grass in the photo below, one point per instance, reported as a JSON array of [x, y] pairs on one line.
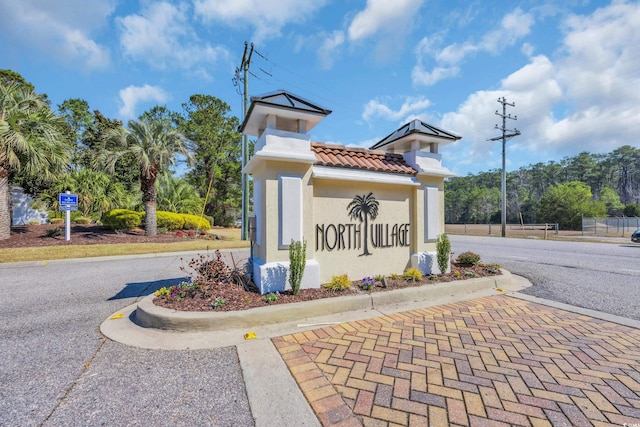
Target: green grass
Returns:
[[45, 253]]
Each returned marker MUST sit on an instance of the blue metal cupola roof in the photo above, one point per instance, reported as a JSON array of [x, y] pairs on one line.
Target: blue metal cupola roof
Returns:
[[286, 107], [415, 130]]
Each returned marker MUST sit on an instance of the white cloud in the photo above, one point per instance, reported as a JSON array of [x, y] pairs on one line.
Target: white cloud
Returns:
[[131, 96], [376, 109], [599, 71], [381, 15], [268, 17], [162, 36], [608, 42], [585, 100], [513, 27], [455, 53], [328, 52], [528, 49], [366, 143], [62, 30], [533, 89], [390, 21], [428, 78]]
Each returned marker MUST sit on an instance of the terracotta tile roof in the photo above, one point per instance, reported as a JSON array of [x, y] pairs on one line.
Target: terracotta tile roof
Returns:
[[360, 158]]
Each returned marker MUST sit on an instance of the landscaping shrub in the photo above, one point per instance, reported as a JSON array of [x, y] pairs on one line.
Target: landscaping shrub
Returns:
[[56, 220], [493, 268], [122, 219], [271, 297], [338, 283], [297, 263], [218, 302], [82, 220], [468, 258], [179, 291], [209, 218], [169, 220], [194, 222], [413, 275], [214, 271], [443, 246], [54, 232]]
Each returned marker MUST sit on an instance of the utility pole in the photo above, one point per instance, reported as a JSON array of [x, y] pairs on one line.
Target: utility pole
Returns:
[[505, 135], [244, 66]]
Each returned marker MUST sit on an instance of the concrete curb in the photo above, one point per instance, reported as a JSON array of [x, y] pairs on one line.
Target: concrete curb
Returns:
[[632, 323], [268, 380], [149, 315]]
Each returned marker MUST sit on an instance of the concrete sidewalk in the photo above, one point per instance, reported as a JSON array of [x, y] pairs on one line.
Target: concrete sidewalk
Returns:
[[471, 358]]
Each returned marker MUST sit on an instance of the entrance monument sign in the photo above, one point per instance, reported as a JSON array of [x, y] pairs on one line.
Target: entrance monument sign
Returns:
[[363, 212]]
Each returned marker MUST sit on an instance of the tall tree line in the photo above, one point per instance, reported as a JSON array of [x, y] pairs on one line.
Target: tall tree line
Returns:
[[115, 165], [612, 180]]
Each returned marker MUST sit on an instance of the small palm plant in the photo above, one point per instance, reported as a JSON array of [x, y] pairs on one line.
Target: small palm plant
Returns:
[[361, 208]]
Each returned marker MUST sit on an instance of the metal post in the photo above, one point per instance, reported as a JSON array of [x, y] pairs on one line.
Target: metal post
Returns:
[[67, 222], [246, 60], [504, 182]]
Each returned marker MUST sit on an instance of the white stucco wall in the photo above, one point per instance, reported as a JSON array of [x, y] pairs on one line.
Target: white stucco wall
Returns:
[[22, 212]]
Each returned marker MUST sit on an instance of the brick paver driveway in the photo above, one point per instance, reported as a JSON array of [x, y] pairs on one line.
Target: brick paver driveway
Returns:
[[489, 361]]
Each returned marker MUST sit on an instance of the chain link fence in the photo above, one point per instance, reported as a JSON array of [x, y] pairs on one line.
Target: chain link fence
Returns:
[[511, 230], [610, 225]]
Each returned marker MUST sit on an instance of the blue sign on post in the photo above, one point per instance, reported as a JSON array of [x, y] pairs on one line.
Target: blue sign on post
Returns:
[[68, 202]]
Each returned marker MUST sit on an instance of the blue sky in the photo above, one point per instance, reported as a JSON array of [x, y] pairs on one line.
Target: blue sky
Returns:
[[572, 67]]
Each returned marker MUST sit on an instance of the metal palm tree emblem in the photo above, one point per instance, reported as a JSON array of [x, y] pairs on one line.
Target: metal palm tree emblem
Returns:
[[362, 208]]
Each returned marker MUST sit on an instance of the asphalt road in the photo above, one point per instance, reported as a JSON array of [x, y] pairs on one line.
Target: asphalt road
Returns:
[[56, 369], [598, 276]]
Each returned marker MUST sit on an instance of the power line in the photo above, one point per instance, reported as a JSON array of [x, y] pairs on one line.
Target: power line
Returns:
[[289, 83], [244, 67], [505, 135]]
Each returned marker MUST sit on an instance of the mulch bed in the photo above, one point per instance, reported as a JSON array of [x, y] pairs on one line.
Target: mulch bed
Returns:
[[91, 234], [236, 298]]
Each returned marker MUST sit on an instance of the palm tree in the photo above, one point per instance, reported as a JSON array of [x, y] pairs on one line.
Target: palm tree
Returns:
[[176, 195], [97, 192], [31, 143], [154, 145], [361, 208]]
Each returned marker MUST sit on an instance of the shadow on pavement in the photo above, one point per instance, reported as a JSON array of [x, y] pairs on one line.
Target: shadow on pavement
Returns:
[[142, 289]]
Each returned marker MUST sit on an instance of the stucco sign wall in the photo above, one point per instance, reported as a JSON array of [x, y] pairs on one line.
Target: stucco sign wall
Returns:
[[362, 212], [361, 234]]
